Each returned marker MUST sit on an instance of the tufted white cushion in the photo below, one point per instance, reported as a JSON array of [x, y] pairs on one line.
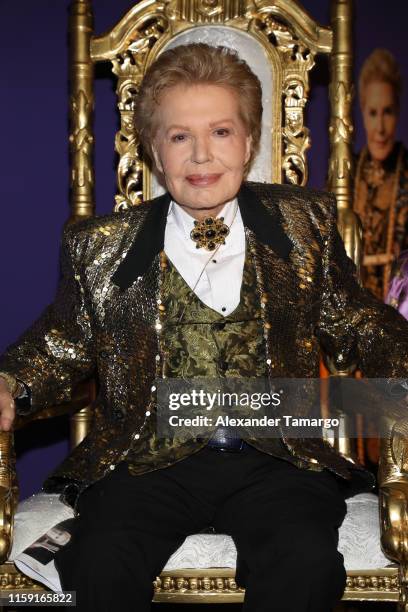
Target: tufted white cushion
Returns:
[[359, 538], [359, 535]]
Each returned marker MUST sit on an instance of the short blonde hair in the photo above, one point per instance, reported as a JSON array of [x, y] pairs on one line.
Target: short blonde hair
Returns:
[[192, 64], [380, 66]]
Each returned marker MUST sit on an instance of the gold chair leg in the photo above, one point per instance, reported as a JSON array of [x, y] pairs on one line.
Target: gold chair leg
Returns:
[[403, 601], [8, 493]]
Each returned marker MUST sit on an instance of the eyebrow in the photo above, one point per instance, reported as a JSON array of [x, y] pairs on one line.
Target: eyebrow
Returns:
[[185, 127]]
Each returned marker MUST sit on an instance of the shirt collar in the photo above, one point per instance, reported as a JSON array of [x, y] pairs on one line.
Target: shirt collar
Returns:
[[185, 222]]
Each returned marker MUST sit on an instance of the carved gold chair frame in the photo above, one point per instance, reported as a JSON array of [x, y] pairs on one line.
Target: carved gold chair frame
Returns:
[[291, 39]]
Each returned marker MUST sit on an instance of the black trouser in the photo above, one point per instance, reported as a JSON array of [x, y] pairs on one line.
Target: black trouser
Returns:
[[284, 522]]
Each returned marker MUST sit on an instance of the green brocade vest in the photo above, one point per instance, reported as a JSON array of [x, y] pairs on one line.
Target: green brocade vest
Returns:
[[199, 342]]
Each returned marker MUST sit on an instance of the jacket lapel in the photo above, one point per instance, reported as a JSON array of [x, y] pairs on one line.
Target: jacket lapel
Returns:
[[149, 241], [264, 222]]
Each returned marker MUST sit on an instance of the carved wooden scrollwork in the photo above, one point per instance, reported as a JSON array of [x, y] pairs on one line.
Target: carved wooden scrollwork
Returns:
[[341, 131], [130, 167], [81, 141], [129, 67], [295, 133], [297, 60], [403, 580], [210, 8], [81, 110]]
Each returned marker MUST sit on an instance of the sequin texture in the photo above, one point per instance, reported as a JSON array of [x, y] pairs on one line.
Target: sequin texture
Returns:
[[94, 326]]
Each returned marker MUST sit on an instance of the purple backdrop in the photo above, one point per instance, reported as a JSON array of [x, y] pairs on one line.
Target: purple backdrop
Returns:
[[35, 163]]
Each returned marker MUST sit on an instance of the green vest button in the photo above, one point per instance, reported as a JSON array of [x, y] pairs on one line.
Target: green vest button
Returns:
[[219, 325]]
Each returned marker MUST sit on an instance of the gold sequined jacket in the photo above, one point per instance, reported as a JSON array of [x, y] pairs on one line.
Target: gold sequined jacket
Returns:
[[107, 317]]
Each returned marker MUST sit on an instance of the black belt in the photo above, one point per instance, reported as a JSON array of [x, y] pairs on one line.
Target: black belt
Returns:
[[230, 447], [223, 440]]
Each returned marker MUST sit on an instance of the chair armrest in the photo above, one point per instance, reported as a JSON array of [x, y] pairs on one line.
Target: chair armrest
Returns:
[[9, 493], [393, 492], [83, 396], [394, 520]]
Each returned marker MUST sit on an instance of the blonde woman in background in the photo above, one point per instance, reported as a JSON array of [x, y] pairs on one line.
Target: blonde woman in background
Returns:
[[381, 183]]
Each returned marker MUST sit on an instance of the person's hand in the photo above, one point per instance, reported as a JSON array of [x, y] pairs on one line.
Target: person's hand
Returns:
[[7, 407]]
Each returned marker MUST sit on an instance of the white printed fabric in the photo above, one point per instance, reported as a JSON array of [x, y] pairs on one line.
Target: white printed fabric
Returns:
[[359, 538]]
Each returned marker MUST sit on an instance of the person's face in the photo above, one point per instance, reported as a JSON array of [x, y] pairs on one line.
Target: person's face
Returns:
[[380, 116], [201, 146]]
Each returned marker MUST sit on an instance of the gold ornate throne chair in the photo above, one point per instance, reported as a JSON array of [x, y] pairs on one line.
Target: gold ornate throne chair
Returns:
[[280, 41]]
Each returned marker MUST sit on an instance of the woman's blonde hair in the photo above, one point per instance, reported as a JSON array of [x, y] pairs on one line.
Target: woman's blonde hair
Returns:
[[192, 64], [380, 67]]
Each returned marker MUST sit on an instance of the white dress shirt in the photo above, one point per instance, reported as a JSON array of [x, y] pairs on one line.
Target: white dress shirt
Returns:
[[220, 284]]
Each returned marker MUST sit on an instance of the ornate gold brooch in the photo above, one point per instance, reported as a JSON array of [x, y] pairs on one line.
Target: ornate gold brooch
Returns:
[[209, 233]]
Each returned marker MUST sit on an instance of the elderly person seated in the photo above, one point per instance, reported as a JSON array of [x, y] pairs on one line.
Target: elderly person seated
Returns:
[[217, 279]]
